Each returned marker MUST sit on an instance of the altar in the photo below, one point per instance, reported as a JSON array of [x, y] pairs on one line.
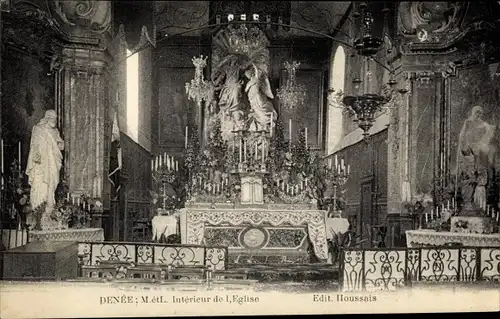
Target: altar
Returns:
[[429, 237], [256, 235]]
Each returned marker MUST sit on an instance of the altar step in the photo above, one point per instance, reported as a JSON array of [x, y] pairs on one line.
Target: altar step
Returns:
[[290, 273]]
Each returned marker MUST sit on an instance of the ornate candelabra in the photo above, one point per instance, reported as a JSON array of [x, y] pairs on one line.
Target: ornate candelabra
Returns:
[[199, 89], [292, 94], [165, 171], [337, 174]]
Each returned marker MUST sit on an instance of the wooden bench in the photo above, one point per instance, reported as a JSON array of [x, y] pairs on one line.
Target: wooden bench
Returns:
[[187, 272]]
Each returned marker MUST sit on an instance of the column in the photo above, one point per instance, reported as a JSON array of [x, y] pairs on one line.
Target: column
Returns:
[[85, 108]]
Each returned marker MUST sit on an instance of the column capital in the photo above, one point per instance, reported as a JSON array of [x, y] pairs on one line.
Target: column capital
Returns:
[[84, 61]]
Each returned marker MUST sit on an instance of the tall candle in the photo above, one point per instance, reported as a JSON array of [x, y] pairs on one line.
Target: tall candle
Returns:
[[176, 166], [19, 155], [271, 125], [67, 197], [244, 151], [432, 213], [336, 161], [1, 155], [186, 138], [426, 218], [305, 133], [152, 164], [263, 152], [348, 169], [342, 163], [290, 131], [255, 152], [241, 141]]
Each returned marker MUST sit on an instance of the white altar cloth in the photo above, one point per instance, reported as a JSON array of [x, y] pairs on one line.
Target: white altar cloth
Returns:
[[163, 225], [193, 221], [414, 238], [336, 226], [71, 234]]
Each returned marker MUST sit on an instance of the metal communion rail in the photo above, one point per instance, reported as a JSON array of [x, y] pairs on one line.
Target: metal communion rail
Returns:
[[93, 253], [390, 269]]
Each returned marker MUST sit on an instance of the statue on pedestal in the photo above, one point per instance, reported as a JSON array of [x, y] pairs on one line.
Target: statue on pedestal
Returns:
[[475, 157], [44, 164]]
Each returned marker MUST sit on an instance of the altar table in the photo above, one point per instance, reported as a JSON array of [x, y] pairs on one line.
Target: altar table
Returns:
[[272, 235], [163, 225], [429, 237], [336, 226]]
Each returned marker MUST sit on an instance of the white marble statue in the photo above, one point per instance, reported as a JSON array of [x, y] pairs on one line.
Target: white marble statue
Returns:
[[475, 155], [259, 93], [44, 161]]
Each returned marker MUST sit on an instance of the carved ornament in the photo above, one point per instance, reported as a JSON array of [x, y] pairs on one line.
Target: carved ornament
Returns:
[[83, 17], [430, 22]]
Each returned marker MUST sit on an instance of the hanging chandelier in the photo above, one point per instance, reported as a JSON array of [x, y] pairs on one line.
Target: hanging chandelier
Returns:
[[199, 90], [364, 104], [292, 94]]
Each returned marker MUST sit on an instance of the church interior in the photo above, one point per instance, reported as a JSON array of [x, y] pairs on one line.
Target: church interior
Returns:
[[249, 141]]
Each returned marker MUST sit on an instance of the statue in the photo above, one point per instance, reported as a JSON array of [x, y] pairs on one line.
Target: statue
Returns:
[[475, 156], [44, 162], [259, 90], [231, 108]]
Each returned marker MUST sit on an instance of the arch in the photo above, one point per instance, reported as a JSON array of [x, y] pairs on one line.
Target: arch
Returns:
[[336, 82]]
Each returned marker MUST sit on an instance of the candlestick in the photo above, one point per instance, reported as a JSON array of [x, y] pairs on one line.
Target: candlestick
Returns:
[[342, 163], [448, 205], [186, 138], [305, 133], [426, 218], [152, 164], [255, 152], [336, 161], [432, 214]]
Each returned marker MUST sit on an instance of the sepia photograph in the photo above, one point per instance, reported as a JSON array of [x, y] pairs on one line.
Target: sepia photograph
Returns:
[[201, 158]]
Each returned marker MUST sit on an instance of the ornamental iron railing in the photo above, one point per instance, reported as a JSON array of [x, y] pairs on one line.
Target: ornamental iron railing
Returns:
[[390, 269], [93, 253]]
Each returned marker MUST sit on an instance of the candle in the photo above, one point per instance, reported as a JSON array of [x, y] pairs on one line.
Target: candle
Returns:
[[67, 197], [432, 213], [290, 132], [453, 202], [329, 162], [263, 152], [152, 164], [306, 136], [186, 138], [241, 141], [342, 163], [244, 151], [426, 218], [255, 152], [1, 145], [271, 125], [348, 169], [336, 161], [176, 166], [448, 205], [19, 155]]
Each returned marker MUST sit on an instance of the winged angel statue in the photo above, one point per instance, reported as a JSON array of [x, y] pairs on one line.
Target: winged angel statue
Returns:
[[240, 64]]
